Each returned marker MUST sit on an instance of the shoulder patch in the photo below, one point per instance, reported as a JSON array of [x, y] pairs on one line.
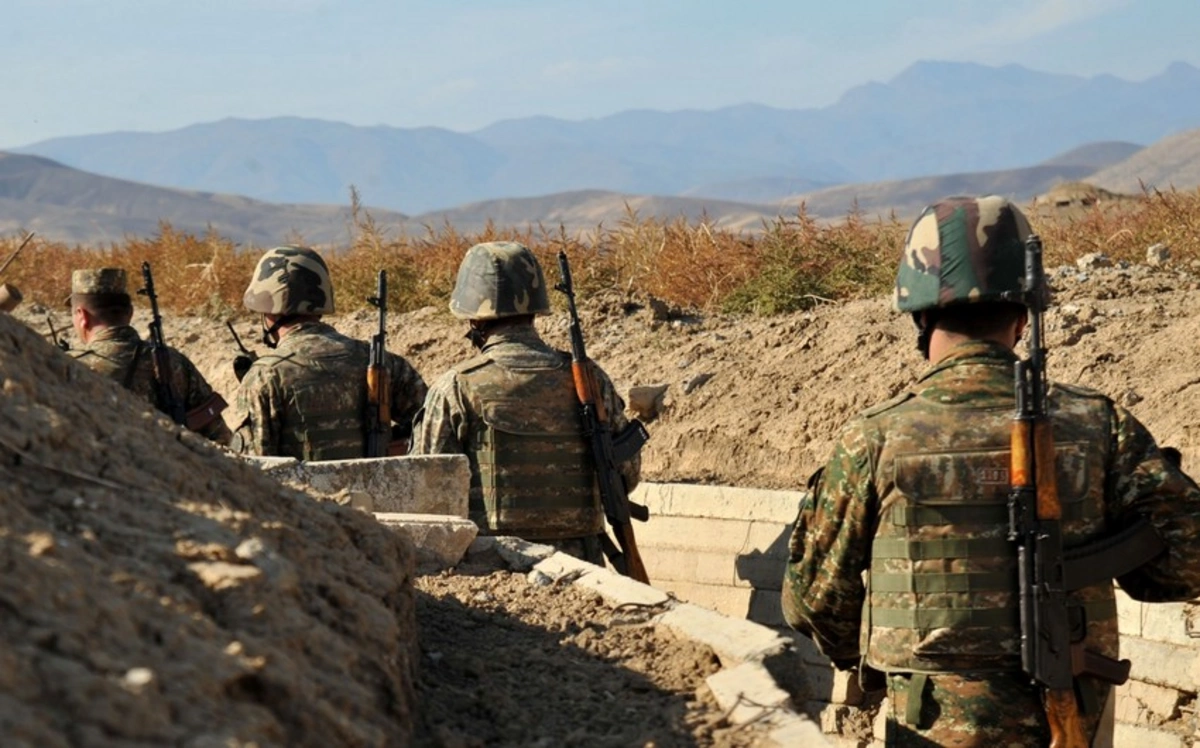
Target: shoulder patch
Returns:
[[887, 404], [472, 364]]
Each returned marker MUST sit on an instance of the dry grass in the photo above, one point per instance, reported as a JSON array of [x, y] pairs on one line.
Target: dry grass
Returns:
[[791, 263]]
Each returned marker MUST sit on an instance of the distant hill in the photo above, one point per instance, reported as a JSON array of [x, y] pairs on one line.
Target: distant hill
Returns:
[[1095, 156], [906, 198], [1171, 162], [68, 205], [933, 118], [585, 210]]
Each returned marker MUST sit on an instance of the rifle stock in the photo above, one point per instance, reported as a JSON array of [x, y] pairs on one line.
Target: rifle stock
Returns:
[[379, 401], [614, 497]]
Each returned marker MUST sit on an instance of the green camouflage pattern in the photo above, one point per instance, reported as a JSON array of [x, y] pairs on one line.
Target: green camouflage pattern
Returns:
[[499, 279], [307, 398], [290, 280], [118, 353], [984, 711], [930, 466], [99, 281], [962, 250], [513, 412]]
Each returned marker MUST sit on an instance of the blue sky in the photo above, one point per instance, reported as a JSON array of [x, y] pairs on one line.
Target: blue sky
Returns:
[[73, 67]]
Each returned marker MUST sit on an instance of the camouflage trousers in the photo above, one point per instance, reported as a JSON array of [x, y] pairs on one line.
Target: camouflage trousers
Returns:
[[996, 710]]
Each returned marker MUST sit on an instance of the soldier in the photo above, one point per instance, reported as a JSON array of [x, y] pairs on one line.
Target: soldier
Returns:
[[513, 412], [101, 310], [308, 398], [901, 562]]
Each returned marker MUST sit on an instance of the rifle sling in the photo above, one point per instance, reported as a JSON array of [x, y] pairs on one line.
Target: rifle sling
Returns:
[[1103, 560]]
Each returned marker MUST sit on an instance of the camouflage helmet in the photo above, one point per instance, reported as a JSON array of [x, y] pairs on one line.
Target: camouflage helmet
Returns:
[[962, 250], [499, 279], [290, 280]]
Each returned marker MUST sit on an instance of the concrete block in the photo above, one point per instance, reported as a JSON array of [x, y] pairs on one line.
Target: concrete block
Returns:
[[440, 541], [1160, 701], [435, 484], [520, 555], [718, 502], [747, 692], [610, 585], [734, 640], [1166, 622], [1146, 737], [730, 601], [797, 731], [722, 536], [692, 565], [845, 688], [1163, 664], [1129, 615]]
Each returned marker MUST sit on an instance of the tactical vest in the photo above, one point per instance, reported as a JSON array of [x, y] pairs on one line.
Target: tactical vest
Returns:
[[325, 407], [942, 585], [531, 469]]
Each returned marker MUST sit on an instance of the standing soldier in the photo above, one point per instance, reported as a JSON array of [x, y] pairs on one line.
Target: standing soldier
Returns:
[[308, 398], [101, 310], [902, 561], [512, 410]]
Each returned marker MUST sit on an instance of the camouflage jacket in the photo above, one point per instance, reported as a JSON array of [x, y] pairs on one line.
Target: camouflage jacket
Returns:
[[520, 388], [897, 467], [120, 354], [307, 398]]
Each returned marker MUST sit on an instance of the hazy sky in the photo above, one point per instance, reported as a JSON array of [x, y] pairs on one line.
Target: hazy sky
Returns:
[[73, 67]]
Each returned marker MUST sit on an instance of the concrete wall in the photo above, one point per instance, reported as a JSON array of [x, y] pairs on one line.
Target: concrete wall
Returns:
[[725, 548], [717, 546]]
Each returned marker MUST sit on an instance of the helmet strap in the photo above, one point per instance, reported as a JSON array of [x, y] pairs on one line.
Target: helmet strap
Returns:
[[478, 335], [270, 335], [925, 322]]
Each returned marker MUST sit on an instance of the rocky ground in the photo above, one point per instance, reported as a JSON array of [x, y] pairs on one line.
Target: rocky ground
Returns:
[[507, 661], [156, 591]]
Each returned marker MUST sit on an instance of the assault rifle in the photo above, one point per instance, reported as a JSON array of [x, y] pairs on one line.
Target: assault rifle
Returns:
[[242, 361], [379, 386], [164, 390], [1052, 629], [607, 450]]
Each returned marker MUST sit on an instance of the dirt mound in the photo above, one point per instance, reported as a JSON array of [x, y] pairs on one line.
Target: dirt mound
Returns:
[[158, 592], [508, 662]]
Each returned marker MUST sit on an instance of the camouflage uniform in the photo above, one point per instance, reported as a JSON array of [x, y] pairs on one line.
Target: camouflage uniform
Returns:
[[901, 558], [118, 353], [512, 410], [308, 398]]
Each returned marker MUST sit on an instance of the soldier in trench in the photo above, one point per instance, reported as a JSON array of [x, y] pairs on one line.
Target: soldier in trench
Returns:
[[512, 410], [900, 562], [307, 398], [101, 312]]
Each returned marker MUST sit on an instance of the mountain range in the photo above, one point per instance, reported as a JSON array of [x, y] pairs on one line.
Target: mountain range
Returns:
[[936, 129], [933, 118]]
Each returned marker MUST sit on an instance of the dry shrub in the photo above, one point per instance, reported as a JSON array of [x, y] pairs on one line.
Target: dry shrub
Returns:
[[789, 264]]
